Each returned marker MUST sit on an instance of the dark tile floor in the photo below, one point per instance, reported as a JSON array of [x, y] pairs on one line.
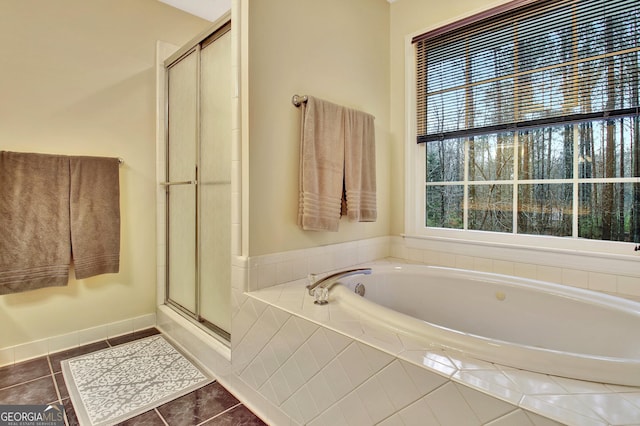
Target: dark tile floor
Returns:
[[40, 381]]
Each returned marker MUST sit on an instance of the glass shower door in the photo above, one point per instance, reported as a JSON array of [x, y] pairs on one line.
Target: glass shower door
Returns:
[[215, 183], [181, 183], [199, 182]]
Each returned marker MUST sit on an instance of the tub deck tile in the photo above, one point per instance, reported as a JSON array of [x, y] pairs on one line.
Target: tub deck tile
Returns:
[[568, 401]]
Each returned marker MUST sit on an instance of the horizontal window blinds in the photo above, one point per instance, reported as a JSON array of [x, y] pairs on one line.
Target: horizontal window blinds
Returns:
[[545, 63]]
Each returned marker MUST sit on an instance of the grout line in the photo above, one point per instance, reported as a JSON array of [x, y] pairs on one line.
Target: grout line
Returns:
[[55, 384], [67, 422], [221, 413], [27, 381], [50, 364], [160, 415]]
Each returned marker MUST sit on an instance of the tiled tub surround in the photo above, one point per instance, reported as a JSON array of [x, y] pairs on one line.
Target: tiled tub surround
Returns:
[[612, 274], [324, 365]]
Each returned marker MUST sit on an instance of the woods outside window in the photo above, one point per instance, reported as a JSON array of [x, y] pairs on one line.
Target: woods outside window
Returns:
[[530, 120]]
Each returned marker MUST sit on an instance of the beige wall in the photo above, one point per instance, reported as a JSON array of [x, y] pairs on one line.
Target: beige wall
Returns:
[[411, 17], [77, 77], [333, 49]]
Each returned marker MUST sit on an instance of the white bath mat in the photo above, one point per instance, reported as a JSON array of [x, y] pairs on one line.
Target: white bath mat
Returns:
[[115, 384]]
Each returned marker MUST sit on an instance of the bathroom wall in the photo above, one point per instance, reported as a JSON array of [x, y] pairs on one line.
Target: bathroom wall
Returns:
[[77, 78], [335, 50], [408, 17]]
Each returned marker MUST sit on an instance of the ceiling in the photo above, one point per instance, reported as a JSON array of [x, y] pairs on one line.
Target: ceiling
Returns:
[[207, 9], [210, 10]]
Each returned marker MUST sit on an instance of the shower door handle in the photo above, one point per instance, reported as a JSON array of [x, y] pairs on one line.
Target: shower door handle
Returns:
[[184, 182]]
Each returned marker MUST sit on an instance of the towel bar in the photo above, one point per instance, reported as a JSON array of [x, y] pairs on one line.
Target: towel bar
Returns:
[[298, 100]]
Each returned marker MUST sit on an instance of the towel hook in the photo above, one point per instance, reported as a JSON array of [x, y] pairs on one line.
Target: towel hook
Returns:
[[298, 100]]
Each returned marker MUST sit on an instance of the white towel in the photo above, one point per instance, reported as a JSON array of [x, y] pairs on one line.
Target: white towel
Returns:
[[321, 165], [359, 166]]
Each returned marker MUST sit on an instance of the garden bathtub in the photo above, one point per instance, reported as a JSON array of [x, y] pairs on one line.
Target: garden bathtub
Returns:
[[522, 323]]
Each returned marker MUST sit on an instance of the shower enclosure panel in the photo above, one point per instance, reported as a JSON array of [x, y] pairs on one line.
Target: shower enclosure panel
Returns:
[[198, 183], [215, 182]]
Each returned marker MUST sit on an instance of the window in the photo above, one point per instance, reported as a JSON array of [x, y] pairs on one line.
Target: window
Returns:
[[529, 121]]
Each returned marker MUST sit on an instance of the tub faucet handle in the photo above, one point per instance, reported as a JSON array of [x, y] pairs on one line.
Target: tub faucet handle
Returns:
[[321, 295]]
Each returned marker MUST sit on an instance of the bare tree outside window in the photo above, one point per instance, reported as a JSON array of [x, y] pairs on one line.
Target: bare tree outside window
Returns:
[[532, 123]]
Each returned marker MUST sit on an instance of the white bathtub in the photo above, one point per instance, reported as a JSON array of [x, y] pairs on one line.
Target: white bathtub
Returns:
[[527, 324]]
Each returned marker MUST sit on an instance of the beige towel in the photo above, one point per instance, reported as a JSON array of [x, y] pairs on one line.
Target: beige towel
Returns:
[[95, 215], [321, 165], [34, 221], [359, 166]]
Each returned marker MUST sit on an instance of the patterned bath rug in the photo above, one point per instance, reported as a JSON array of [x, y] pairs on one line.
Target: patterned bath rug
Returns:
[[115, 384]]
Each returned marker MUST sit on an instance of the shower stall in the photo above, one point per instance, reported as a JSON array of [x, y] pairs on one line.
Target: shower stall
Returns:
[[198, 181]]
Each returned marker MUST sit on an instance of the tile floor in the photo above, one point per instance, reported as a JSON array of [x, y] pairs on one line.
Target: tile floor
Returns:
[[40, 381]]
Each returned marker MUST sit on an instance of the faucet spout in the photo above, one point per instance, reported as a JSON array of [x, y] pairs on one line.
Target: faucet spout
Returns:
[[320, 289]]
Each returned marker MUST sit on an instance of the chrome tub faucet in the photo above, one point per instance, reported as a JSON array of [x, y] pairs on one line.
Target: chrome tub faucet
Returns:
[[320, 289]]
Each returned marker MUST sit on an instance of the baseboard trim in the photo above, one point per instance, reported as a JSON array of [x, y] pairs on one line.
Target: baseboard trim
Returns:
[[37, 348]]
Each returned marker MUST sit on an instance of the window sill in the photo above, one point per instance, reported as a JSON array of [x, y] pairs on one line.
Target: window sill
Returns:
[[534, 250]]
